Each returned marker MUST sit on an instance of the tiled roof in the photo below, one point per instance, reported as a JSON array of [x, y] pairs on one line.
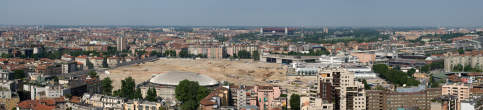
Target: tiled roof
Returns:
[[43, 104]]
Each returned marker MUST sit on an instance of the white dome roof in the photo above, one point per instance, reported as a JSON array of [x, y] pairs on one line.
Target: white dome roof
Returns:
[[173, 78]]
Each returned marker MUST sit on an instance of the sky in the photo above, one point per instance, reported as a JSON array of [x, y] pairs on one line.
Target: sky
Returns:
[[243, 12]]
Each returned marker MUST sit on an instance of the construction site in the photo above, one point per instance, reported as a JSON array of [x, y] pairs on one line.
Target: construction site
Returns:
[[246, 72]]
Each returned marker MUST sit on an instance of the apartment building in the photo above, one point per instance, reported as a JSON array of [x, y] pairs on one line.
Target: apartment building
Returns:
[[261, 97], [458, 89], [243, 96], [340, 86], [211, 51], [234, 49], [49, 91], [392, 100], [121, 43], [473, 58], [268, 97]]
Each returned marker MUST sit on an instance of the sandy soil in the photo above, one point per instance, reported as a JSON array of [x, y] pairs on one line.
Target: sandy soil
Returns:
[[239, 72]]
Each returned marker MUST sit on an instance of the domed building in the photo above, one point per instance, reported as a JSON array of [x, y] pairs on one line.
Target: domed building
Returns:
[[165, 83]]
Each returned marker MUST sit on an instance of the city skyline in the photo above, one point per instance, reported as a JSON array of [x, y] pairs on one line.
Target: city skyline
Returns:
[[243, 13]]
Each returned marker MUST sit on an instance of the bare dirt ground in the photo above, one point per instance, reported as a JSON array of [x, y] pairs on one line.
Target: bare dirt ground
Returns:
[[245, 72]]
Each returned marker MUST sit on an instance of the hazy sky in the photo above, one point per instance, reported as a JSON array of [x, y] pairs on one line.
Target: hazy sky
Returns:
[[245, 12]]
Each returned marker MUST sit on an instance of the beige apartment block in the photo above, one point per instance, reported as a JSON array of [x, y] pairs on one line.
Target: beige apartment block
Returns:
[[460, 90]]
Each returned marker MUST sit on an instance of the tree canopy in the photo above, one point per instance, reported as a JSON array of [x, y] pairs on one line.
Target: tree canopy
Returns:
[[190, 93], [92, 74], [170, 53], [411, 71], [396, 77], [295, 102], [151, 94], [127, 88], [18, 74], [256, 55], [138, 94], [184, 53], [432, 66], [243, 54], [106, 85], [466, 68]]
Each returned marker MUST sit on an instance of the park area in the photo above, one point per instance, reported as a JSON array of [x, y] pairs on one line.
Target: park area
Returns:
[[245, 72]]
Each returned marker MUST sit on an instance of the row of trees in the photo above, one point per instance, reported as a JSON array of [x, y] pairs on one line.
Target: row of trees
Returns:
[[433, 66], [128, 90], [394, 76], [466, 68], [243, 54]]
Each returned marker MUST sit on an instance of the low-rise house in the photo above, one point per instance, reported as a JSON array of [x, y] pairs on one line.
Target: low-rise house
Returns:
[[215, 100], [41, 104], [102, 101], [141, 105]]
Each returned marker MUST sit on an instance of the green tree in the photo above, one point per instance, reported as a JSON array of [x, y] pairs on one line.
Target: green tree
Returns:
[[256, 56], [106, 85], [202, 92], [190, 93], [396, 77], [425, 68], [189, 105], [243, 54], [117, 93], [184, 53], [155, 54], [92, 74], [458, 67], [295, 102], [187, 90], [380, 68], [366, 86], [461, 51], [18, 74], [128, 88], [138, 94], [411, 71], [170, 53], [104, 63], [151, 94]]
